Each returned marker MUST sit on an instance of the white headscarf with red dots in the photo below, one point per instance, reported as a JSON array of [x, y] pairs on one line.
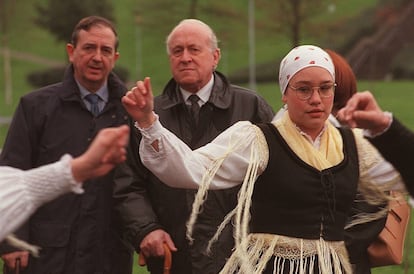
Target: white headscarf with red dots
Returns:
[[300, 58]]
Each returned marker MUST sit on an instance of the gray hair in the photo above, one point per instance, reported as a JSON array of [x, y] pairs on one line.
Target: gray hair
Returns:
[[212, 35]]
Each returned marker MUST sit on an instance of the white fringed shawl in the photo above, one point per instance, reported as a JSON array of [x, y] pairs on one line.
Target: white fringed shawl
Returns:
[[253, 251]]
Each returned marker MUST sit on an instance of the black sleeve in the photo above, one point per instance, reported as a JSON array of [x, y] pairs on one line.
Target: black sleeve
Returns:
[[131, 200], [21, 144], [397, 146], [265, 111]]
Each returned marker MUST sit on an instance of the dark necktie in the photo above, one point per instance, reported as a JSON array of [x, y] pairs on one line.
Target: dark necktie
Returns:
[[194, 108], [93, 99]]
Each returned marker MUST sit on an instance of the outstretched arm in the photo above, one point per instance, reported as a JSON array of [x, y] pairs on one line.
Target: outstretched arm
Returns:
[[392, 139], [174, 163], [22, 192]]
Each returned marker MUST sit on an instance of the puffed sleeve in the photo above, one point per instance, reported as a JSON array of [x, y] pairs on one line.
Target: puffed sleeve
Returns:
[[22, 192]]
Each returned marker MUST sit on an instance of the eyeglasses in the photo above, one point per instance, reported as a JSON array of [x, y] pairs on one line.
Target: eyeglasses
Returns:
[[306, 92]]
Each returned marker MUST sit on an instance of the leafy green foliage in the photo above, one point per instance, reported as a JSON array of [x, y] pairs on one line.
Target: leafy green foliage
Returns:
[[59, 17]]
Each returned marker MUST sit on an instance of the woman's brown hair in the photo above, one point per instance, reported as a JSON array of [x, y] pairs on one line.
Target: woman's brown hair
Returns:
[[345, 80]]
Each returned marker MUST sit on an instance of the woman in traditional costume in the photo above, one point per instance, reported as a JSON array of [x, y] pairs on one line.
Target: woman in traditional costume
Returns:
[[299, 174]]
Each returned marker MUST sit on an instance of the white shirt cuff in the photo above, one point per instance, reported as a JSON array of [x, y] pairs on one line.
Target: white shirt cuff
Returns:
[[75, 187], [368, 133]]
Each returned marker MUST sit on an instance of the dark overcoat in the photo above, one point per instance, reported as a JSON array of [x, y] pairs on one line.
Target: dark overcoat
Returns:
[[74, 231]]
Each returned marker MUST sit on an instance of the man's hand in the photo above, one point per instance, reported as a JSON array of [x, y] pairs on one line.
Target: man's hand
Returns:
[[153, 245], [10, 259], [363, 111], [139, 102]]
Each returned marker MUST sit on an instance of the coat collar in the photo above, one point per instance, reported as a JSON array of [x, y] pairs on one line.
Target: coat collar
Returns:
[[220, 95]]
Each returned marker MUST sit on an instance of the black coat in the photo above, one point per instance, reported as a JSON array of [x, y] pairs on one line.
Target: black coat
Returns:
[[74, 231], [146, 204]]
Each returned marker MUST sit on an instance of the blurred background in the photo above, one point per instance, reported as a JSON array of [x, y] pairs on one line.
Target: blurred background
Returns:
[[376, 37]]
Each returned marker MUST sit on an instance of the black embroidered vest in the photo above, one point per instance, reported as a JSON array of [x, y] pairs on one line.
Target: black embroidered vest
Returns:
[[294, 199]]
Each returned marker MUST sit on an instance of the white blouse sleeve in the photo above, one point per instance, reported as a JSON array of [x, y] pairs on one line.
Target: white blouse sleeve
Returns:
[[227, 157], [22, 192]]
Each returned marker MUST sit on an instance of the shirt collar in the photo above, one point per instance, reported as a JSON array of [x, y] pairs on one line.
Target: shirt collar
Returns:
[[102, 92], [317, 142], [204, 93]]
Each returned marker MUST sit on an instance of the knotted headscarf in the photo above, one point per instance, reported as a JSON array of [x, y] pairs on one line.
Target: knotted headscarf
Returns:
[[300, 58]]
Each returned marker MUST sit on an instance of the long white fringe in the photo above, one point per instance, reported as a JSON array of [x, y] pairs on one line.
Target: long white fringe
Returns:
[[22, 245]]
